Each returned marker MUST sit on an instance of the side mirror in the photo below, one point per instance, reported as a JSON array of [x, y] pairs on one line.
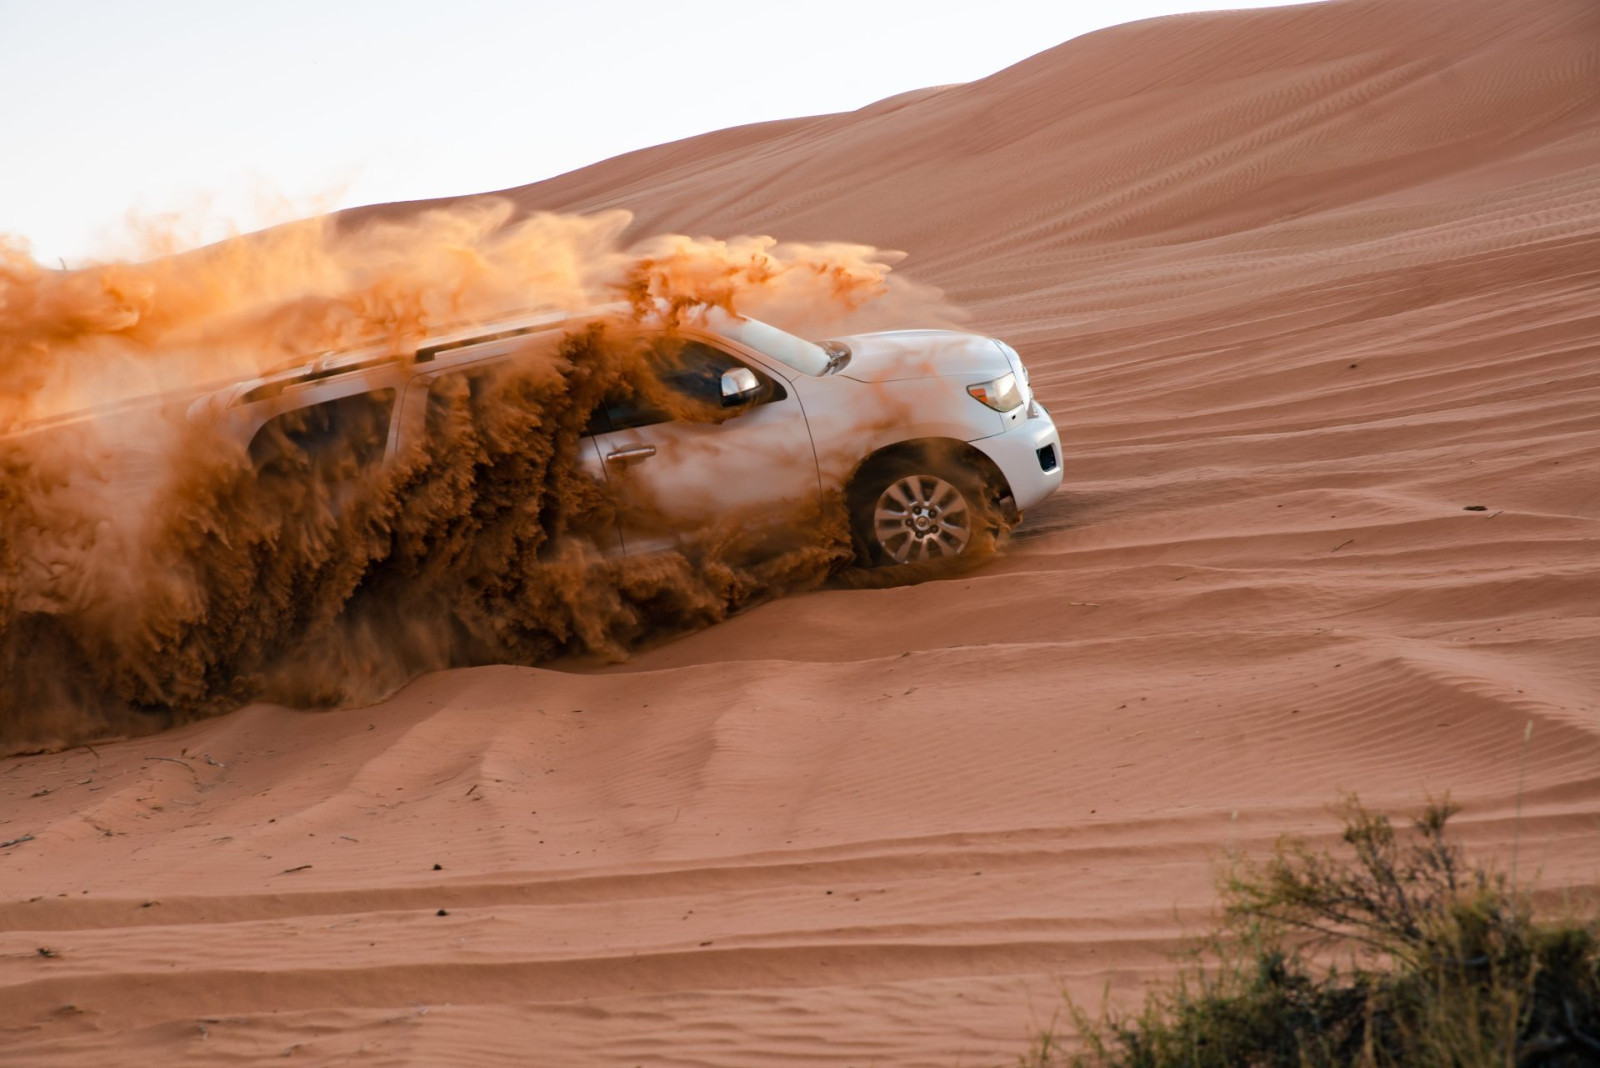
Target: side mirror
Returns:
[[739, 386]]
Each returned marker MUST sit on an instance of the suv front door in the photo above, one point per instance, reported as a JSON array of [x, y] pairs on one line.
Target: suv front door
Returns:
[[672, 477]]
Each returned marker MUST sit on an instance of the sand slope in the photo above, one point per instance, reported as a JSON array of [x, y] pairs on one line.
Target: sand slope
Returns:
[[1299, 287]]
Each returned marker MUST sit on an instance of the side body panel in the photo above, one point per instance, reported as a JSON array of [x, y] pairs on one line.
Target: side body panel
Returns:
[[850, 420]]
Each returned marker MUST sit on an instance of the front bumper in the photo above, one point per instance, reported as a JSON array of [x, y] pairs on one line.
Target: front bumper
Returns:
[[1029, 456]]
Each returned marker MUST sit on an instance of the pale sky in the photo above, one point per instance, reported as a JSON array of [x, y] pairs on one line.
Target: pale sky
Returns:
[[235, 115]]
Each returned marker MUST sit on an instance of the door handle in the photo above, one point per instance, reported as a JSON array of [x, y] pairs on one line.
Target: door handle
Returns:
[[632, 452]]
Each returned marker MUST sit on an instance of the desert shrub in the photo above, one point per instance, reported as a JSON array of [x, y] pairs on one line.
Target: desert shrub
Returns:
[[1393, 950]]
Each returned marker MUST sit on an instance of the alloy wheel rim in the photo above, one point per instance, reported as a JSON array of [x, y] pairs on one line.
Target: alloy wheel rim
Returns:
[[922, 517]]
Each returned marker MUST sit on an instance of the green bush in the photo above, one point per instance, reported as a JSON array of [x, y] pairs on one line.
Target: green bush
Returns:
[[1443, 964]]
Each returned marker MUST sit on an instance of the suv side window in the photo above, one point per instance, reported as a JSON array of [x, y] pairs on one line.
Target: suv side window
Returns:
[[326, 435], [449, 390], [599, 421], [445, 391], [696, 372]]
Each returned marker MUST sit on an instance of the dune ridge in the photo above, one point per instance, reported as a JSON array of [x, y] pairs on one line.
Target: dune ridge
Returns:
[[1300, 287]]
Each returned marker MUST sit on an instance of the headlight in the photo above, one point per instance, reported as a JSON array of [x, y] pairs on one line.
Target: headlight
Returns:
[[1001, 393]]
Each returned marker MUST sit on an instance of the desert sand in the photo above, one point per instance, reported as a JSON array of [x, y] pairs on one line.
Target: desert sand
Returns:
[[1301, 287]]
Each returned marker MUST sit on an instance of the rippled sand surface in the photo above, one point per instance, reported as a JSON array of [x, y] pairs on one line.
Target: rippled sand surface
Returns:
[[1312, 296]]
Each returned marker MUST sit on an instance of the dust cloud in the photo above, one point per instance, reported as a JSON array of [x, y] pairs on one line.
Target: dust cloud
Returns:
[[155, 570]]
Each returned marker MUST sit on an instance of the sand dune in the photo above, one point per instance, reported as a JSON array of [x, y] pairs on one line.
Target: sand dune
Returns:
[[1299, 286]]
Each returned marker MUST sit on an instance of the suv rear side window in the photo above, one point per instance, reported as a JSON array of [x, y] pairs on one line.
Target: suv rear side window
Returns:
[[471, 386], [450, 391], [335, 438]]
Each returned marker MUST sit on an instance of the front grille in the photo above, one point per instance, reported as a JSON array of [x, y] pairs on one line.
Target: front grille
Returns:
[[1047, 458]]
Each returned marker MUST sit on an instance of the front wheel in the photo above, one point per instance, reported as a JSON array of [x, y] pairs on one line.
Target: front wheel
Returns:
[[907, 513]]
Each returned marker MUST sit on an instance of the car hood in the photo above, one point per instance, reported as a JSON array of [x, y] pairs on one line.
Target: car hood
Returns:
[[894, 355]]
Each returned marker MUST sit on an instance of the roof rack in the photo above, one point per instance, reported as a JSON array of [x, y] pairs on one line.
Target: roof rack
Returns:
[[329, 364], [308, 374], [430, 351]]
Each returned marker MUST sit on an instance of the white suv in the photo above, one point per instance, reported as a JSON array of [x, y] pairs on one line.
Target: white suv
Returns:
[[929, 433]]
